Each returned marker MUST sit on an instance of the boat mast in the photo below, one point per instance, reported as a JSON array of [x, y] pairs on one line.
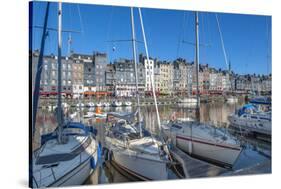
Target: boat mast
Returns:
[[136, 71], [150, 74], [197, 64], [59, 109], [227, 62], [39, 70]]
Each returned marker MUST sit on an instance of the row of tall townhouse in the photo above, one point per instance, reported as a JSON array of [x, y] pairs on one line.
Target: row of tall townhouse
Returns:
[[92, 74], [48, 82], [254, 83], [125, 81], [81, 74], [219, 81]]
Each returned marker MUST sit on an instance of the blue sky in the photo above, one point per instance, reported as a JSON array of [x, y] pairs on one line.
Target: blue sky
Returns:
[[247, 38]]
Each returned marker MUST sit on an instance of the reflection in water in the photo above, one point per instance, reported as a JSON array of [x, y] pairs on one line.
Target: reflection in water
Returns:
[[215, 113]]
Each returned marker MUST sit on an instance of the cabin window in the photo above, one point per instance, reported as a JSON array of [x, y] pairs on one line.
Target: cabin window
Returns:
[[176, 126]]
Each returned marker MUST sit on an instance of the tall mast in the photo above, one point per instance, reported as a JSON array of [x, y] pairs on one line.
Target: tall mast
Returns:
[[197, 63], [59, 109], [135, 63], [150, 74], [39, 70]]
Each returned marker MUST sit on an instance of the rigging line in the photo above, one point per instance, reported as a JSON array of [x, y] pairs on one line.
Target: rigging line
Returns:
[[208, 30], [108, 29], [203, 38], [222, 43], [268, 43], [69, 41], [189, 17], [70, 16], [39, 71], [55, 30], [181, 34], [80, 19], [151, 77]]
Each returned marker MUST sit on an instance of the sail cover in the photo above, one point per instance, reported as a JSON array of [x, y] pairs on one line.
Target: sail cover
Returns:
[[129, 117]]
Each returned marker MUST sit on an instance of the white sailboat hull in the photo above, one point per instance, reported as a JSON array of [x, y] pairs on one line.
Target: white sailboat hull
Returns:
[[248, 124], [99, 104], [66, 173], [188, 101], [75, 177], [232, 100], [141, 167], [221, 154], [204, 147], [116, 104], [127, 103], [106, 104]]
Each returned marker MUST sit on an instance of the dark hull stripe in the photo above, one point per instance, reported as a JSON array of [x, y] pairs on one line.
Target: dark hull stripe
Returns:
[[208, 143]]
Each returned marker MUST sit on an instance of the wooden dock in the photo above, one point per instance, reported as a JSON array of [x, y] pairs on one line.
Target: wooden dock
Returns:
[[194, 168]]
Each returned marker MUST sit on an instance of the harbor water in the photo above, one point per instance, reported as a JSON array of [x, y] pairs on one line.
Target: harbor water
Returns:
[[255, 151]]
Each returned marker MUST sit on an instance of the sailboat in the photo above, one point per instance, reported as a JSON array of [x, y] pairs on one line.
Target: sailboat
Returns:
[[187, 102], [69, 154], [199, 139], [99, 104], [249, 119], [232, 99], [256, 117], [127, 103], [116, 103], [106, 104], [128, 144]]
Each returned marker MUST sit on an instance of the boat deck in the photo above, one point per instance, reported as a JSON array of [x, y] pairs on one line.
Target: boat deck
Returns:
[[194, 168]]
